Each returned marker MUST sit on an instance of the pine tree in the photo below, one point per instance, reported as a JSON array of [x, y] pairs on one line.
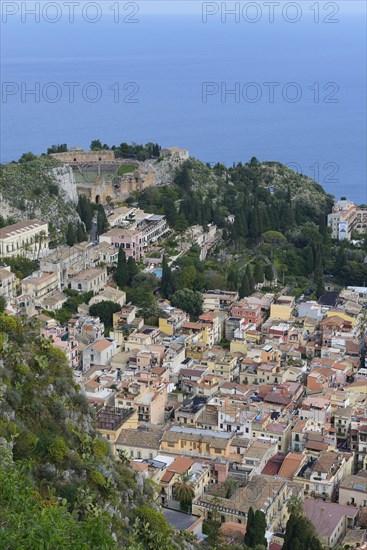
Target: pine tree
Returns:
[[121, 270], [70, 234]]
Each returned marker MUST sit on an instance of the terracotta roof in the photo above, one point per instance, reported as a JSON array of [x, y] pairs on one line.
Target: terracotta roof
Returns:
[[290, 465], [101, 345], [181, 465]]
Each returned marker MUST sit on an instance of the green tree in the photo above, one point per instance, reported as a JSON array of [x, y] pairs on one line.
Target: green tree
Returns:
[[121, 270], [300, 534], [260, 529], [244, 289], [188, 300], [81, 234], [70, 234], [268, 272], [85, 211], [249, 539], [259, 272], [102, 222], [105, 310], [184, 490], [131, 270], [96, 145], [166, 286], [2, 304]]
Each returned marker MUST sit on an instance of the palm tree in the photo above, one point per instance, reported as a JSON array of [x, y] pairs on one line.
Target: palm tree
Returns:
[[41, 237], [230, 486], [295, 505], [123, 457], [184, 490]]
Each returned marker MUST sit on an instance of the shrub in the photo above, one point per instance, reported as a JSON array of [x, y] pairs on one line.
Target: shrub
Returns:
[[100, 448], [58, 450]]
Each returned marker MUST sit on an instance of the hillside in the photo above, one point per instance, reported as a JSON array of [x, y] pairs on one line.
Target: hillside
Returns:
[[42, 188], [60, 486]]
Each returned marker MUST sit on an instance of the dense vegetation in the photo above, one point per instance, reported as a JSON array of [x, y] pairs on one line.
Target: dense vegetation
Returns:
[[273, 223], [60, 486], [125, 150]]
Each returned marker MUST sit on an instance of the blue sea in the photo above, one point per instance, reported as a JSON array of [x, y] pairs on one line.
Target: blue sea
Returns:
[[226, 89]]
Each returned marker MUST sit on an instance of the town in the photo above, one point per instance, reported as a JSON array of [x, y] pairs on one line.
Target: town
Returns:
[[257, 400]]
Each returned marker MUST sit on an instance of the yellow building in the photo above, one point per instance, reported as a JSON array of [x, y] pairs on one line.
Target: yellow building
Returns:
[[282, 308], [342, 315], [193, 442], [111, 421]]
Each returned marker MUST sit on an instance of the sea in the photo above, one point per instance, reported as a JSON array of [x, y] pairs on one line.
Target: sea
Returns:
[[287, 85]]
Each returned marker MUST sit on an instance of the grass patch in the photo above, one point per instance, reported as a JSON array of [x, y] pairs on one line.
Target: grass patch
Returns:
[[125, 169]]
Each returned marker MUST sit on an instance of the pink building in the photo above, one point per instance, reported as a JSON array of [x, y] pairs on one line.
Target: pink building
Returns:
[[250, 313], [132, 241], [69, 345]]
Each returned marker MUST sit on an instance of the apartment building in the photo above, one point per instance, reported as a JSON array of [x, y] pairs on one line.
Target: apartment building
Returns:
[[130, 240], [88, 280], [39, 284], [171, 320], [7, 283], [27, 238], [345, 218], [219, 299]]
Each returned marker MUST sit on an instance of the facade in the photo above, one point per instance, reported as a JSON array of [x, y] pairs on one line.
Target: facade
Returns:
[[345, 218], [130, 240], [99, 352], [7, 283], [39, 284], [89, 280], [28, 238], [175, 154], [219, 300]]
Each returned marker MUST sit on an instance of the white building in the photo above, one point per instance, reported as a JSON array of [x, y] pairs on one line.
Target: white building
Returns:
[[28, 238], [7, 283], [99, 352], [88, 280]]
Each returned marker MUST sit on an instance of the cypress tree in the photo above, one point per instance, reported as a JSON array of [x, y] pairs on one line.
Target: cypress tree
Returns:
[[70, 234], [84, 209], [309, 259], [259, 273], [102, 223], [269, 274], [260, 529], [250, 278], [131, 270], [250, 536], [121, 271], [166, 286], [245, 289]]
